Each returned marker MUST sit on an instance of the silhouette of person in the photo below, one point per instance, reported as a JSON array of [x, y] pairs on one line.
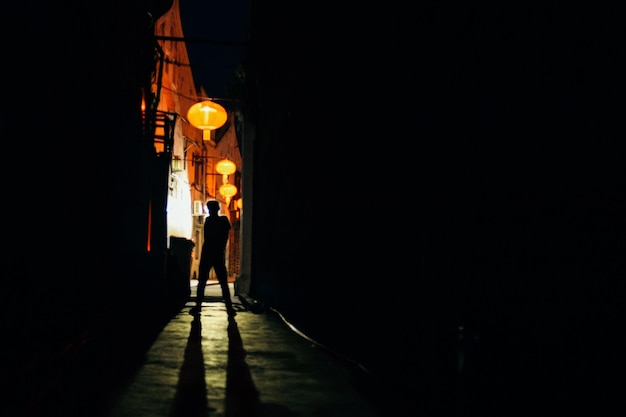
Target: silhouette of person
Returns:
[[216, 230]]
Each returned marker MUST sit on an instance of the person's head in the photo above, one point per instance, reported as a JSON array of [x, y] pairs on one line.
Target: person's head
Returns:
[[213, 206]]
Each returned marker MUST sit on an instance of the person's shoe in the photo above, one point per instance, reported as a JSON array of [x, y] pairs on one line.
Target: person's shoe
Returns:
[[195, 310]]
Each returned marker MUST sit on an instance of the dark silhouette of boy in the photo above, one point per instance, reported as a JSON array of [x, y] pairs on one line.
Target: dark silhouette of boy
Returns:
[[213, 255]]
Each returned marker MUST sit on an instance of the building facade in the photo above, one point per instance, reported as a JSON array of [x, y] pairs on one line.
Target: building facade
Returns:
[[192, 177]]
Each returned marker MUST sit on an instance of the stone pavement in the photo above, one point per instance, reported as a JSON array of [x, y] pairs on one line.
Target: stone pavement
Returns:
[[251, 365]]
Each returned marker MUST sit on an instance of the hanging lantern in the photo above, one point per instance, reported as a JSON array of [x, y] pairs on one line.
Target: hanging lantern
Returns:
[[207, 116], [226, 167], [228, 191]]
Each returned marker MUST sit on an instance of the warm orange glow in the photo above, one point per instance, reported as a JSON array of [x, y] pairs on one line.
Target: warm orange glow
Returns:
[[228, 190], [225, 167], [239, 203], [207, 116]]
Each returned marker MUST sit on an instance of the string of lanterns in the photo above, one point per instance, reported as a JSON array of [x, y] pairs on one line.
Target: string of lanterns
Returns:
[[208, 116]]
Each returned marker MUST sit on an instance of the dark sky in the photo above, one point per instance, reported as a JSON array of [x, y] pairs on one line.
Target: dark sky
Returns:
[[214, 28]]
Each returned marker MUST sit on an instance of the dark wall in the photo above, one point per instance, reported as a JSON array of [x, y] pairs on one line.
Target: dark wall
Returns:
[[420, 169], [73, 201]]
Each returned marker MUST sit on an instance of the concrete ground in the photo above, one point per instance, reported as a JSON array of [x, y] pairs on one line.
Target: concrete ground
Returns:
[[255, 364]]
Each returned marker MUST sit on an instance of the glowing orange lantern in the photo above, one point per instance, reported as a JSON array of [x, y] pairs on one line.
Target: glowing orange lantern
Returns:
[[228, 191], [207, 116], [225, 167]]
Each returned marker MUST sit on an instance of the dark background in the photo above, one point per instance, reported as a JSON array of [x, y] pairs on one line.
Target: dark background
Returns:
[[432, 181], [443, 180], [218, 31]]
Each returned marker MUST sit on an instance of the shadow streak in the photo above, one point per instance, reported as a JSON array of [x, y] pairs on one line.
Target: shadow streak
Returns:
[[242, 397], [191, 393]]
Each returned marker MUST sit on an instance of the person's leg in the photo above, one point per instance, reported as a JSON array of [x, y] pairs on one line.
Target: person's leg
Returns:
[[199, 297], [222, 277], [200, 292], [203, 276]]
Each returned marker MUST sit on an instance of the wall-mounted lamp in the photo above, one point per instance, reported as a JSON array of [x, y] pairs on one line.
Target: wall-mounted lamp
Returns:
[[177, 163], [207, 116]]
